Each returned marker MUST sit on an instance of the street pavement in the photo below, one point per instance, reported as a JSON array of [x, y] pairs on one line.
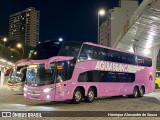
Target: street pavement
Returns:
[[14, 101]]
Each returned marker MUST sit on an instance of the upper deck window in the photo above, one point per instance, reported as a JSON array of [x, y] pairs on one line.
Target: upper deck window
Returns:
[[89, 52]]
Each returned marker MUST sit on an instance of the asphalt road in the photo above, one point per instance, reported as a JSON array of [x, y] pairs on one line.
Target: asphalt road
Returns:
[[14, 101]]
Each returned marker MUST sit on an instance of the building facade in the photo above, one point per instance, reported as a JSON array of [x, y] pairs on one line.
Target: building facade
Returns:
[[116, 20], [24, 27]]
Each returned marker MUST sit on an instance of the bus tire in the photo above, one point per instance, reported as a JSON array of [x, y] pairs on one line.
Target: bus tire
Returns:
[[77, 96], [141, 92], [135, 92], [90, 95], [156, 86]]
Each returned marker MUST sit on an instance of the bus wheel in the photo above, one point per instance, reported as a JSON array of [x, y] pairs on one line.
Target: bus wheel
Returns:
[[141, 92], [135, 92], [156, 86], [77, 96], [90, 95]]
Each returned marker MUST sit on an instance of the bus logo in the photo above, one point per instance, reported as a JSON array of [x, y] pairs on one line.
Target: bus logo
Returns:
[[109, 66]]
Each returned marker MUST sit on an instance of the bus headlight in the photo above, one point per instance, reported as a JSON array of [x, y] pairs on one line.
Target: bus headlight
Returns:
[[47, 90], [24, 89]]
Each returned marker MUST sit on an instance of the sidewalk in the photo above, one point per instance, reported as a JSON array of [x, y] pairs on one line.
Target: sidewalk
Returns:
[[155, 93]]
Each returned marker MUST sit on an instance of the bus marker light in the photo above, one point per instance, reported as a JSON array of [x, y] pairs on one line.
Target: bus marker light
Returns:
[[48, 96], [25, 89], [67, 92], [73, 83]]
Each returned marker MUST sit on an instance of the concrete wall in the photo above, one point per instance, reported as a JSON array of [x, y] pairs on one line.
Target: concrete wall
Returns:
[[119, 17]]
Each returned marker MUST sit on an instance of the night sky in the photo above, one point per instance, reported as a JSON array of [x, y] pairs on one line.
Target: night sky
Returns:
[[74, 20]]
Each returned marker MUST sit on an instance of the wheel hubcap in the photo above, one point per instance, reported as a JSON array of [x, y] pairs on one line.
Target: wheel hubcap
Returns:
[[78, 96], [135, 93], [142, 92], [91, 95]]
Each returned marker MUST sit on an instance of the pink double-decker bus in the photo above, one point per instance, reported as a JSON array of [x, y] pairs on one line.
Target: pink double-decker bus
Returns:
[[59, 71]]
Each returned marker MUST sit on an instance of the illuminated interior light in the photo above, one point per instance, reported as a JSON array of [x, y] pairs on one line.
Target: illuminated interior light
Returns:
[[146, 51], [89, 58], [35, 53], [33, 66], [3, 60], [131, 49], [9, 63], [60, 67]]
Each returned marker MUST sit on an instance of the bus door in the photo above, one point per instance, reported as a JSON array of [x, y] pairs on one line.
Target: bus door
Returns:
[[60, 83]]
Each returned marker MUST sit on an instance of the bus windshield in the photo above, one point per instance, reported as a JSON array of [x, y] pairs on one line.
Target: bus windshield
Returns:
[[38, 76], [54, 48], [70, 49], [15, 77], [46, 50], [59, 71]]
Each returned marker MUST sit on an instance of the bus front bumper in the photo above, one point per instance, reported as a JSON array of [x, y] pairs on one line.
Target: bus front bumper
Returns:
[[15, 87], [39, 96]]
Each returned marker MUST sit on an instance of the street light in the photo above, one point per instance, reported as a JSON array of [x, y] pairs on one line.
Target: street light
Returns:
[[19, 45], [101, 12], [60, 39], [5, 40]]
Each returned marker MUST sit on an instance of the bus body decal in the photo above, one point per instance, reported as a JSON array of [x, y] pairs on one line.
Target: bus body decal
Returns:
[[134, 69], [109, 66]]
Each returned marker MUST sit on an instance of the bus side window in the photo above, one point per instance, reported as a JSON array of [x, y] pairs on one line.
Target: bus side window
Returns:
[[140, 60], [61, 75], [102, 76], [110, 77], [96, 76], [86, 52], [148, 62], [122, 77], [101, 53], [83, 77], [130, 77]]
